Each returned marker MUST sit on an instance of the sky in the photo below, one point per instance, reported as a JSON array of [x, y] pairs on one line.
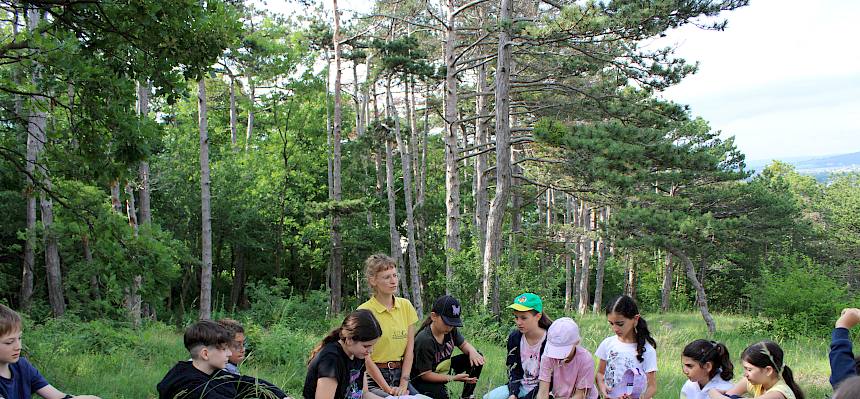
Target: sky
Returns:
[[783, 78]]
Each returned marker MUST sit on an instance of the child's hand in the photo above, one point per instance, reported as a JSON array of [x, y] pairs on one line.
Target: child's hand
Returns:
[[463, 377], [850, 317], [475, 359]]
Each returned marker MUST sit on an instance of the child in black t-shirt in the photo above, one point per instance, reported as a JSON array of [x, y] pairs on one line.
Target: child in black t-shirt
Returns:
[[336, 365], [434, 344]]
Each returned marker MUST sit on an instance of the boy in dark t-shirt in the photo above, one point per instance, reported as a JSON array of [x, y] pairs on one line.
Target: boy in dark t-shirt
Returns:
[[434, 345], [18, 378]]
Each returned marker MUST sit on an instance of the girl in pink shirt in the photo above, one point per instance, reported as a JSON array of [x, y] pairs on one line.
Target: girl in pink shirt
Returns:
[[566, 368]]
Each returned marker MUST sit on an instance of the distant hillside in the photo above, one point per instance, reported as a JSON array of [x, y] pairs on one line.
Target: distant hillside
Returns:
[[819, 167]]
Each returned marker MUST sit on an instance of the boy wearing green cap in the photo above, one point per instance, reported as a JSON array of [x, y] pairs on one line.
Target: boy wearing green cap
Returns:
[[525, 348]]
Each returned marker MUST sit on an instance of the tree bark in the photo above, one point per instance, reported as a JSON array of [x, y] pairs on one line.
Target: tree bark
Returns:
[[234, 116], [252, 96], [114, 196], [52, 254], [394, 235], [666, 291], [205, 206], [143, 169], [601, 266], [701, 297], [452, 178], [336, 244], [495, 218], [585, 252], [482, 202], [238, 290], [568, 267], [406, 164]]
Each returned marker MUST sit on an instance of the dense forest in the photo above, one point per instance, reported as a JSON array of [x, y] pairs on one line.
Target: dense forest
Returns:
[[167, 160]]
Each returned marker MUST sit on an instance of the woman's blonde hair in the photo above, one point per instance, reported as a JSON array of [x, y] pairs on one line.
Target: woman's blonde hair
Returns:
[[377, 263]]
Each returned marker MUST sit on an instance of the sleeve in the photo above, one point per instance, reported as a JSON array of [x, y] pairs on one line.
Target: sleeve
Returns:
[[649, 359], [545, 369], [784, 389], [424, 355], [411, 314], [515, 369], [457, 337], [327, 366], [586, 377], [601, 350], [35, 378], [842, 363], [250, 387]]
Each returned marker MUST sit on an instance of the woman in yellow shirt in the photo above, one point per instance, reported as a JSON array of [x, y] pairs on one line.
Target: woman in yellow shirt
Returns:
[[391, 362]]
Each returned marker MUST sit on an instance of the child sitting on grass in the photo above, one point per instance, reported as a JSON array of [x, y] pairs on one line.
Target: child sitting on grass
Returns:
[[765, 375], [18, 378], [237, 346], [204, 377]]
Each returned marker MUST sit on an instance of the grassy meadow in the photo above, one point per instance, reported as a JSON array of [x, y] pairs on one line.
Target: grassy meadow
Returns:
[[116, 362]]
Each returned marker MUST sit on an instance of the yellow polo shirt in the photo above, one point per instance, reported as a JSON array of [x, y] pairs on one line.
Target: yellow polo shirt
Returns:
[[395, 328], [781, 387]]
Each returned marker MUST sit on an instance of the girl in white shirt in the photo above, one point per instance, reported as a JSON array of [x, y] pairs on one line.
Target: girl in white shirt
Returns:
[[707, 365]]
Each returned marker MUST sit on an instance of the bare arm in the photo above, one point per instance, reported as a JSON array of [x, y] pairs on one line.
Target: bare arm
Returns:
[[651, 390], [475, 358], [365, 393], [601, 378], [578, 393], [739, 389], [326, 388], [408, 356], [543, 390], [49, 392], [373, 372]]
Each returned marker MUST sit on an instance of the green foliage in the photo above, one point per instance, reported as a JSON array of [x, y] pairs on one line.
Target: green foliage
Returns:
[[796, 297]]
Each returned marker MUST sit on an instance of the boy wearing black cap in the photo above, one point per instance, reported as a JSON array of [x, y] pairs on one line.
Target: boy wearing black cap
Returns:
[[434, 345]]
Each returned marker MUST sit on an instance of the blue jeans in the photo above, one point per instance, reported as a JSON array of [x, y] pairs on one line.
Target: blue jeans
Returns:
[[503, 393], [392, 377]]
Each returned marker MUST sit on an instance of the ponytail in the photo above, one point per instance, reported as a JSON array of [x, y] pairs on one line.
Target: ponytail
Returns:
[[716, 353], [360, 325], [788, 377], [643, 335], [769, 354], [333, 336], [545, 321], [424, 325]]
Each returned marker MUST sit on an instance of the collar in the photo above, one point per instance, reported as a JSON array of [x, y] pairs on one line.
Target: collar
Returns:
[[378, 307]]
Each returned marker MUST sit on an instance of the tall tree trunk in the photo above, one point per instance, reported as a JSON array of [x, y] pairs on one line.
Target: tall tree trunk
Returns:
[[568, 267], [130, 207], [601, 265], [496, 218], [452, 178], [234, 115], [238, 290], [36, 130], [379, 154], [394, 235], [701, 297], [482, 202], [577, 250], [336, 244], [33, 149], [406, 164], [143, 89], [666, 291], [630, 278], [205, 206], [585, 252], [132, 294], [252, 96]]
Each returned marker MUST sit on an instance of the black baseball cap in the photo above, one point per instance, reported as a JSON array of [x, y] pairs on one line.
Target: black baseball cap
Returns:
[[448, 308]]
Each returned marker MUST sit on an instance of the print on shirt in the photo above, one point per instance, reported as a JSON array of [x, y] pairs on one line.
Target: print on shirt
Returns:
[[616, 364], [354, 390]]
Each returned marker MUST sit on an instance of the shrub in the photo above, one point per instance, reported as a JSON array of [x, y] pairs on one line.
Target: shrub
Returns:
[[797, 297]]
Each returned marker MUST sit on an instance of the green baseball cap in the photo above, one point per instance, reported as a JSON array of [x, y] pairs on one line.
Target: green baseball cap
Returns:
[[527, 301]]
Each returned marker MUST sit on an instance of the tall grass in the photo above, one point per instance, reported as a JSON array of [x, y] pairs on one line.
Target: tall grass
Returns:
[[115, 362]]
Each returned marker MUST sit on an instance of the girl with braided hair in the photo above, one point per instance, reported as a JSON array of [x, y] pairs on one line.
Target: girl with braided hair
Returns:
[[708, 366], [628, 359]]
